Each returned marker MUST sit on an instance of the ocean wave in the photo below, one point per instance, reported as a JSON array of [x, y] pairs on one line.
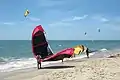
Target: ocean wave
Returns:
[[103, 49], [60, 45], [23, 63], [15, 64], [8, 59], [2, 59]]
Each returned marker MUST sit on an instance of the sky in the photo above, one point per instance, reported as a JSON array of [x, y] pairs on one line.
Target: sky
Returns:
[[61, 19]]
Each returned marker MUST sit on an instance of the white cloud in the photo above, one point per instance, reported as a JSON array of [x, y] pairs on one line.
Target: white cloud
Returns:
[[80, 18], [34, 19], [74, 18], [113, 21], [66, 22], [104, 20], [100, 18], [9, 23]]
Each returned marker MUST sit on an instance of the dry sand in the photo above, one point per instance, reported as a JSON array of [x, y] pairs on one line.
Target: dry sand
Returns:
[[81, 69]]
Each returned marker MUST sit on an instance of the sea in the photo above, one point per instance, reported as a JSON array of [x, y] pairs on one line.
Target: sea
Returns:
[[17, 54]]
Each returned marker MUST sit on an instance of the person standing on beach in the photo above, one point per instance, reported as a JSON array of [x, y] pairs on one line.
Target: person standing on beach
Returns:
[[87, 52]]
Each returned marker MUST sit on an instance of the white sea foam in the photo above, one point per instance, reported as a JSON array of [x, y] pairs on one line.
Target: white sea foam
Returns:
[[23, 63], [18, 64], [103, 49]]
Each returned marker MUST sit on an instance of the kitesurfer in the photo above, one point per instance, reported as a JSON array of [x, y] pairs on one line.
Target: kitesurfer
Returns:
[[87, 52]]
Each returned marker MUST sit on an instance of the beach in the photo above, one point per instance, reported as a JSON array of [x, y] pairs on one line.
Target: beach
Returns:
[[77, 69], [18, 63]]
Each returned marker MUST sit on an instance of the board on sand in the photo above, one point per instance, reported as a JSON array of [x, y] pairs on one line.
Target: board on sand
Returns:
[[41, 50]]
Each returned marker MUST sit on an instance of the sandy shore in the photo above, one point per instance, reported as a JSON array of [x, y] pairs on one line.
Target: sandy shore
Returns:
[[80, 69]]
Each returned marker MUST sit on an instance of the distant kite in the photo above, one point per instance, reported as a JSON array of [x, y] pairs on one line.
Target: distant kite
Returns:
[[98, 30], [85, 33], [26, 13]]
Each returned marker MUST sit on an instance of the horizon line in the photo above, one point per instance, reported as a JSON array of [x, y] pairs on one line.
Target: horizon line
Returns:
[[67, 40]]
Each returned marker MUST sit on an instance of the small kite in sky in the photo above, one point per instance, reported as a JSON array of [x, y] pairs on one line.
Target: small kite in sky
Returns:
[[85, 33], [26, 13], [98, 30]]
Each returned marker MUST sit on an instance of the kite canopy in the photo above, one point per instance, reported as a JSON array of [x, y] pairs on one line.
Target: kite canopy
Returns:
[[26, 13], [78, 49], [85, 33], [40, 28], [42, 51], [98, 30]]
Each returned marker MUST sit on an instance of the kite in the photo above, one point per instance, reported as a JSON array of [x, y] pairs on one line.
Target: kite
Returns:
[[85, 33], [98, 30], [26, 13]]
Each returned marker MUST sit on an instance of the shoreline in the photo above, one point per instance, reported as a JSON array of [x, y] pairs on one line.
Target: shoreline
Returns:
[[84, 69]]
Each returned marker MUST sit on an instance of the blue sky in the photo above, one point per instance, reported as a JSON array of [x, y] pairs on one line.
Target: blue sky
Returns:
[[61, 19]]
